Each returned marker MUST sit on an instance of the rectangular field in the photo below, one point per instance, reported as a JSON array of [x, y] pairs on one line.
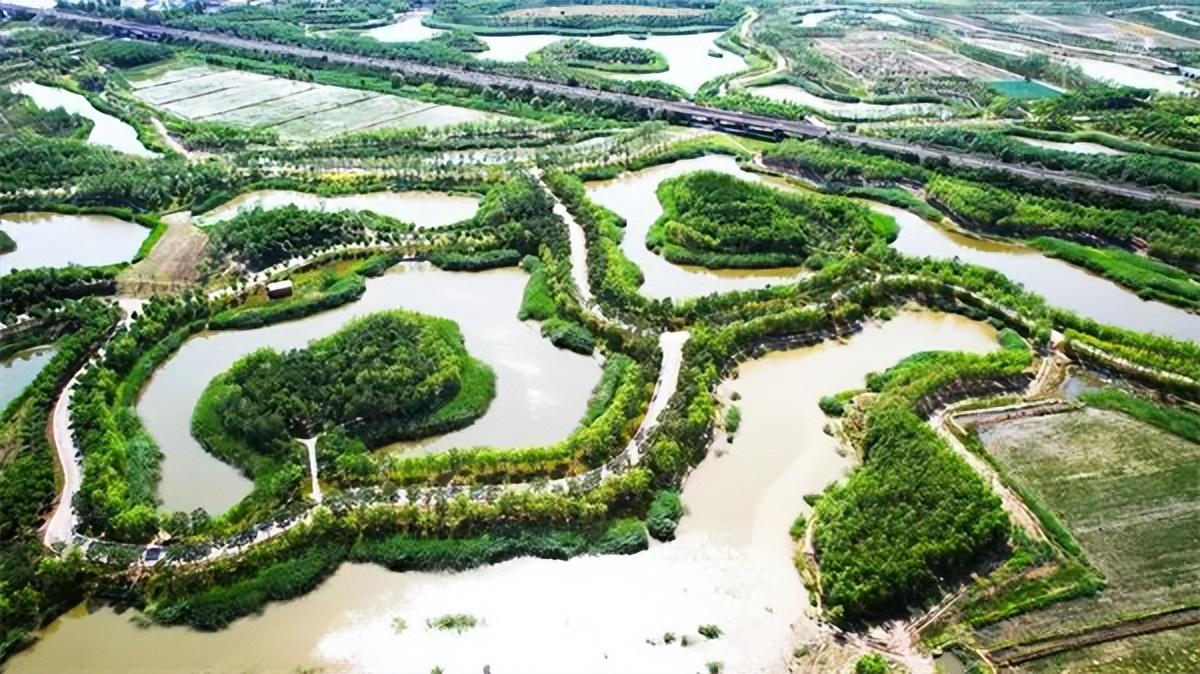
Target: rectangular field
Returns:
[[871, 55], [1128, 492], [1100, 27], [299, 111]]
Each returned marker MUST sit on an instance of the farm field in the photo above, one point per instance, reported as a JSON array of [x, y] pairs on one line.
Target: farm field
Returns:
[[1172, 652], [1128, 492], [298, 111], [872, 55], [599, 10], [1104, 28]]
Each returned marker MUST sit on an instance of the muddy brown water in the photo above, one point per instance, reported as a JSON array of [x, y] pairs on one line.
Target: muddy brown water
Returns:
[[1061, 284], [730, 566], [47, 239], [541, 391], [634, 197]]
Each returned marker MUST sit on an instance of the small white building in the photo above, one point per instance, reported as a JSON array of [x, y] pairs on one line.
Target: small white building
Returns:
[[279, 289]]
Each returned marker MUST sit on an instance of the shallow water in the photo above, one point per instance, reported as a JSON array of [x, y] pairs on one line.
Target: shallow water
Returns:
[[1117, 73], [20, 369], [407, 29], [689, 64], [107, 130], [1082, 147], [541, 391], [634, 197], [56, 240], [860, 110], [423, 209], [731, 565], [1062, 284]]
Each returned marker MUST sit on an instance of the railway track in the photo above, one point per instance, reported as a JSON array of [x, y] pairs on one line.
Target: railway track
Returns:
[[682, 112]]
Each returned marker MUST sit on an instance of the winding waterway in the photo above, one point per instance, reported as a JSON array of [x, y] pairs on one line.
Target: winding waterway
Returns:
[[407, 29], [47, 239], [730, 566], [1079, 146], [106, 130], [789, 93], [541, 391], [1062, 284], [688, 61], [20, 369], [423, 209], [634, 197]]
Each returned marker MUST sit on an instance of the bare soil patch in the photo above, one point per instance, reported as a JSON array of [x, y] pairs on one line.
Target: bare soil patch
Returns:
[[173, 263]]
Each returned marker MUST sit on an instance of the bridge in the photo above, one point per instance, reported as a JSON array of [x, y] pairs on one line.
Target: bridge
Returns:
[[677, 112]]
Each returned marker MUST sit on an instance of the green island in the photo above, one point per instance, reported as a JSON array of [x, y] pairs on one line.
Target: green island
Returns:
[[715, 220], [381, 378], [872, 345], [580, 54]]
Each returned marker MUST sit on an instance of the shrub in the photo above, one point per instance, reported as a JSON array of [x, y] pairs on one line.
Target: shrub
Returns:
[[871, 663], [665, 511]]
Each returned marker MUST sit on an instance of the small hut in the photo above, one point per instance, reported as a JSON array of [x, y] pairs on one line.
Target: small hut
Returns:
[[279, 289]]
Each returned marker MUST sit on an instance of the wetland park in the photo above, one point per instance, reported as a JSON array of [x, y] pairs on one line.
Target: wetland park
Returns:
[[552, 336]]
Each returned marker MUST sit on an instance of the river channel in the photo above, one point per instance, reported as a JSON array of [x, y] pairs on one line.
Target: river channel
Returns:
[[689, 63], [1079, 146], [541, 391], [731, 565], [789, 93], [1063, 285], [94, 240], [634, 196], [423, 209], [107, 130]]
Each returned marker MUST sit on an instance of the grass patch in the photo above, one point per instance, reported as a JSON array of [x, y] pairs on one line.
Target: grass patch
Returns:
[[457, 622], [1149, 278], [537, 303], [1170, 419]]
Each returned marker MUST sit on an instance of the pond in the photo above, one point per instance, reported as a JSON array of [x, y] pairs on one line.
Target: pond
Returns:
[[1118, 73], [731, 565], [423, 209], [634, 197], [861, 110], [408, 28], [20, 369], [1082, 147], [56, 240], [1061, 284], [688, 59], [541, 391], [814, 19], [107, 130]]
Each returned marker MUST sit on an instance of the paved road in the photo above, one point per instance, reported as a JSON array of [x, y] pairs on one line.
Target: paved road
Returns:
[[61, 527], [692, 113]]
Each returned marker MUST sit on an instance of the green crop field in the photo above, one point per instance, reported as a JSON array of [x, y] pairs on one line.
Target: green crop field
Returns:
[[1129, 493]]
